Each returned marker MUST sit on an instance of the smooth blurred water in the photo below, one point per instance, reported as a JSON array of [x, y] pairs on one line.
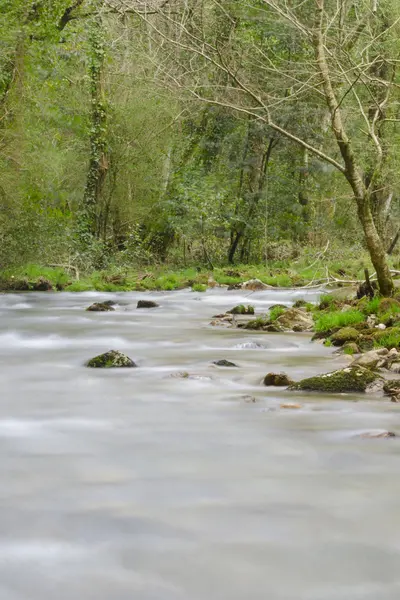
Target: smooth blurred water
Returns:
[[130, 484]]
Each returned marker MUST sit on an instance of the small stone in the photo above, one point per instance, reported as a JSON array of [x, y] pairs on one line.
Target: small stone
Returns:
[[377, 434], [223, 363], [249, 399], [100, 307], [395, 367], [291, 405], [147, 304], [278, 380], [109, 360], [381, 326]]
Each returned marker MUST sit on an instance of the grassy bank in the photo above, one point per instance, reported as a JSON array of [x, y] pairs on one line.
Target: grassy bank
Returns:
[[278, 274]]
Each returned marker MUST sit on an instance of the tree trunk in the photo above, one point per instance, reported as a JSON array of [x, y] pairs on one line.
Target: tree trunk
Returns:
[[99, 161], [375, 247]]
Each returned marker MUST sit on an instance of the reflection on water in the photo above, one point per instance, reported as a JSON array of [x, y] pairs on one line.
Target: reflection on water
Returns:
[[131, 484]]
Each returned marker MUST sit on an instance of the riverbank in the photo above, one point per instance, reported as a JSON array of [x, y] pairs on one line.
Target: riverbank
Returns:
[[278, 274]]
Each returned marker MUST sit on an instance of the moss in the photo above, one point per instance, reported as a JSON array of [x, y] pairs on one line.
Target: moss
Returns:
[[109, 360], [351, 348], [241, 309], [346, 334], [387, 338], [351, 379]]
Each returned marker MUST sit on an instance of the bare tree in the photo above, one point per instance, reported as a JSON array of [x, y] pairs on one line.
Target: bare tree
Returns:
[[344, 62]]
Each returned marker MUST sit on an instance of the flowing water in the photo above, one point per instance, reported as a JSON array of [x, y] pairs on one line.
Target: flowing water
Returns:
[[132, 484]]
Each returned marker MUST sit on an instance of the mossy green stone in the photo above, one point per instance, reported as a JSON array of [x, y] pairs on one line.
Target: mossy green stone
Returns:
[[110, 360], [350, 379], [346, 334]]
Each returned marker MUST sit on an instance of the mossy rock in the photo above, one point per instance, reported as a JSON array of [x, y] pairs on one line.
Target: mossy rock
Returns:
[[259, 323], [147, 304], [224, 363], [100, 307], [350, 379], [278, 379], [392, 386], [296, 319], [110, 360], [346, 334], [366, 342], [351, 348], [241, 309]]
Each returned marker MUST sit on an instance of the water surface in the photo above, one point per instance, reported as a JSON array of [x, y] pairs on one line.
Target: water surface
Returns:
[[132, 484]]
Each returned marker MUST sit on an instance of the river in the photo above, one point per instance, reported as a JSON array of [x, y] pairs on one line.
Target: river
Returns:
[[130, 484]]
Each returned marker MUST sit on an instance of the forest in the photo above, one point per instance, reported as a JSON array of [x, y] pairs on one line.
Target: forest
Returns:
[[165, 142]]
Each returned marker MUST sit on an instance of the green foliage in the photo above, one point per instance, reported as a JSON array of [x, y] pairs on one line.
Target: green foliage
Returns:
[[275, 313], [199, 287], [337, 319], [388, 339]]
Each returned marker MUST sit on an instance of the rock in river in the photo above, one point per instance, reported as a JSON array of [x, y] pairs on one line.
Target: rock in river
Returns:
[[100, 307], [110, 360], [278, 379], [223, 363], [295, 319], [147, 304], [351, 379]]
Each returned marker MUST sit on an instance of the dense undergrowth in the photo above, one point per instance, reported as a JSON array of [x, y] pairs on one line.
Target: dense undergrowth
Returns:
[[278, 273]]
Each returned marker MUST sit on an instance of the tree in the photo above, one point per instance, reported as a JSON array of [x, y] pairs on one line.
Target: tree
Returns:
[[342, 58]]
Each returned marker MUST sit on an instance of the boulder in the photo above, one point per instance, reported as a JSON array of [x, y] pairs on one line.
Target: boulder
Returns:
[[147, 304], [346, 334], [100, 307], [109, 360], [223, 363], [374, 359], [278, 379], [350, 379], [395, 367], [295, 318]]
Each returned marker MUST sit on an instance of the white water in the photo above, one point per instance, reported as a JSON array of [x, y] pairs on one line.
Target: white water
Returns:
[[130, 484]]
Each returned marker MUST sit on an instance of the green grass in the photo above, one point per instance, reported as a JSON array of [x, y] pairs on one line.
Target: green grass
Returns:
[[348, 350], [388, 340], [337, 319], [371, 307], [275, 313], [199, 287]]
